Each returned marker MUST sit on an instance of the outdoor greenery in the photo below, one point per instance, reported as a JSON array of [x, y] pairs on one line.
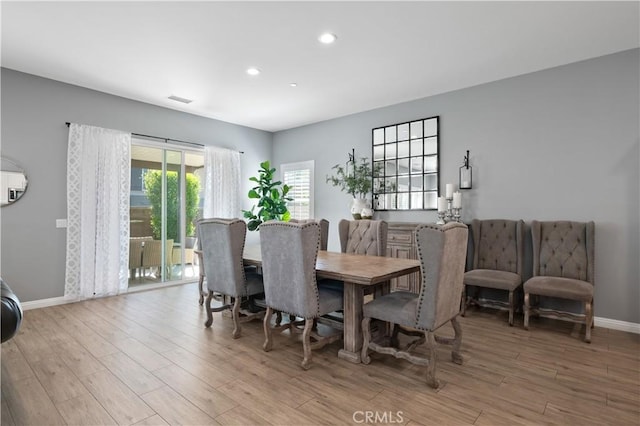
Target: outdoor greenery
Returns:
[[272, 196], [355, 180], [153, 190]]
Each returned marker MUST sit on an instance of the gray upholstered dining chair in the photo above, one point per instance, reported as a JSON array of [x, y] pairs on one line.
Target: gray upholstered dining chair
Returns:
[[442, 252], [497, 260], [563, 267], [324, 230], [222, 243], [289, 254], [368, 237]]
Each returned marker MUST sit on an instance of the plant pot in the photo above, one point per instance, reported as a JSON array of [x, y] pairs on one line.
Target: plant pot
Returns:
[[356, 207]]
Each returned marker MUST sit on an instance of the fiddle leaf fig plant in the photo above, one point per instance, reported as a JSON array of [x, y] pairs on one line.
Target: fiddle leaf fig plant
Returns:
[[272, 198]]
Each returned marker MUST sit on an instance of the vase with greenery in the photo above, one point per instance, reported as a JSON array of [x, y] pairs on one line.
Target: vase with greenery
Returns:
[[153, 191], [355, 178], [272, 198]]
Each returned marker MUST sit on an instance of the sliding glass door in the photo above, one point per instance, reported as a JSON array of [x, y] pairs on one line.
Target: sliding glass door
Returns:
[[166, 200]]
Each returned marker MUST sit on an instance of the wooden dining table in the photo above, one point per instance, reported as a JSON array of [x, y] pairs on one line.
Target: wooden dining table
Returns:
[[358, 272]]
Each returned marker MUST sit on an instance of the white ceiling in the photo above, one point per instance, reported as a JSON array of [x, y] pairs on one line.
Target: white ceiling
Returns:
[[386, 52]]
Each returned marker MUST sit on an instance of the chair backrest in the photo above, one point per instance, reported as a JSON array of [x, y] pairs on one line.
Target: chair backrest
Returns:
[[498, 244], [324, 229], [367, 237], [152, 253], [222, 244], [442, 251], [564, 249], [289, 254]]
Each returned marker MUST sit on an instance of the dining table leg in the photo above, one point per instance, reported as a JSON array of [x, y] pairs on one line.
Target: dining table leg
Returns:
[[352, 309]]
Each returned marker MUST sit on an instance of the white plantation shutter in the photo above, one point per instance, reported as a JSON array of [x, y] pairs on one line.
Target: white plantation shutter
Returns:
[[299, 176]]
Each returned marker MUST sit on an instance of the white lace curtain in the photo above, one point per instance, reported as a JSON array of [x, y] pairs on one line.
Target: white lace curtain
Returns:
[[222, 183], [98, 182]]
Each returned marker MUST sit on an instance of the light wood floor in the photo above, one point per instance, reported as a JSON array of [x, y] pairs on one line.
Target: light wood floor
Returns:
[[146, 358]]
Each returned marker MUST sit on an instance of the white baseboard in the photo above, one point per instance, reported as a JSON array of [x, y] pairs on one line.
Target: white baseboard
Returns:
[[44, 303], [54, 301], [630, 327]]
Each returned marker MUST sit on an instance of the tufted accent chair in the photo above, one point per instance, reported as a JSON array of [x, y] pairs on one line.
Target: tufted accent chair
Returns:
[[497, 259], [289, 254], [222, 243], [563, 267], [324, 230], [368, 237], [442, 251]]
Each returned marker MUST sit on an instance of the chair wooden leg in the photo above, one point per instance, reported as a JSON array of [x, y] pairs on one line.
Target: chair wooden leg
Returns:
[[433, 360], [511, 308], [456, 356], [201, 289], [209, 312], [306, 343], [393, 340], [366, 338], [463, 301], [235, 314], [527, 307], [268, 342], [588, 312]]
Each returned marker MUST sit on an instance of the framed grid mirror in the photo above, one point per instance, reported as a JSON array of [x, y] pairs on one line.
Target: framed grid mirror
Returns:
[[406, 165]]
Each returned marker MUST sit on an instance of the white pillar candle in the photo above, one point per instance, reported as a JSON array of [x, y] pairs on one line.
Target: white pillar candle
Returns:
[[442, 204], [449, 190], [457, 200]]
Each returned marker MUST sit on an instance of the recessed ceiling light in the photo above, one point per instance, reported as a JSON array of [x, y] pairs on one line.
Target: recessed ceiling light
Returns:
[[293, 84], [253, 71], [179, 99], [327, 38]]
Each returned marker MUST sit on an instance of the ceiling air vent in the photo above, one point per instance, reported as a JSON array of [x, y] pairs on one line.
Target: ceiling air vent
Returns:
[[179, 99]]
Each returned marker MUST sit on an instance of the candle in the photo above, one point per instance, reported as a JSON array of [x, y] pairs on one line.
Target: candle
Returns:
[[457, 200], [442, 204], [449, 191]]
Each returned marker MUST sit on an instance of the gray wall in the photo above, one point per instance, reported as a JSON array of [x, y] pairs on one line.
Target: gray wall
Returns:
[[34, 112], [558, 144]]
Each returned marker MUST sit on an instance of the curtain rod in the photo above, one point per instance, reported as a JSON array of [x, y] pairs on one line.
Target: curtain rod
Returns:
[[164, 139]]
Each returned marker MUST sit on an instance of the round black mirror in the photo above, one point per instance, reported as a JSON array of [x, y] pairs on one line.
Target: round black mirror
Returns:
[[13, 181]]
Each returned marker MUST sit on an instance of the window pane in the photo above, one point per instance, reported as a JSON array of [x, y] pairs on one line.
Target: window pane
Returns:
[[299, 177], [403, 132], [416, 165], [431, 182], [416, 129], [416, 147], [403, 200], [390, 134], [378, 136], [416, 183], [390, 150], [403, 183], [403, 149], [378, 152], [430, 164], [431, 146], [430, 200], [403, 166], [416, 200], [430, 127]]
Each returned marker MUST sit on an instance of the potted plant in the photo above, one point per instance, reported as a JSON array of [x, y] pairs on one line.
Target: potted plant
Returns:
[[272, 198], [356, 179]]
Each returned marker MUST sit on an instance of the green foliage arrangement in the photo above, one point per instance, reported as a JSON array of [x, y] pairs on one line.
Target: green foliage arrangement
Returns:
[[272, 198], [357, 182], [153, 190]]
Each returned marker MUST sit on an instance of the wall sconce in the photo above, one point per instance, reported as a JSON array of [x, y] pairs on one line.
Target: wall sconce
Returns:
[[466, 174]]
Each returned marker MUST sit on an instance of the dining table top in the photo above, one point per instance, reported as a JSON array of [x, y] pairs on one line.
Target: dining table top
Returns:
[[353, 268]]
